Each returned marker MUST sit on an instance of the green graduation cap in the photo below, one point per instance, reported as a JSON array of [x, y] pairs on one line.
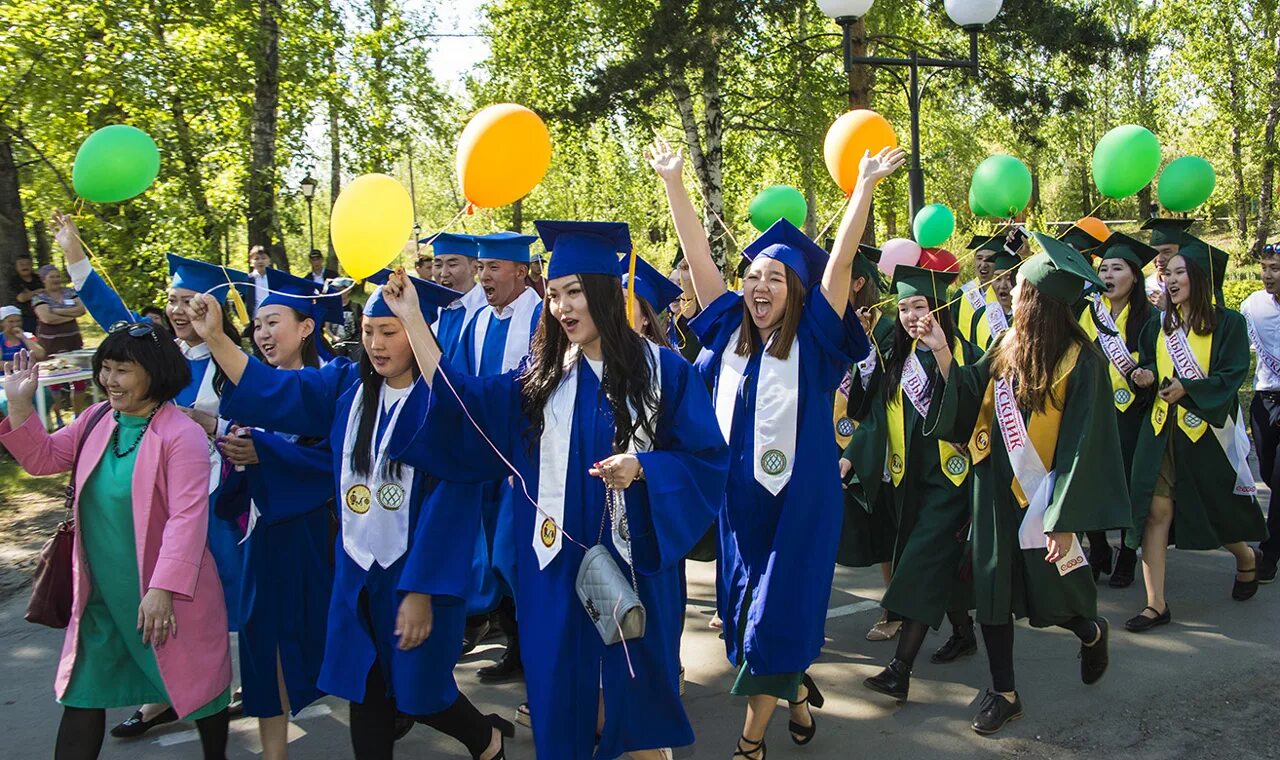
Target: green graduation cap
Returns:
[[1169, 231], [991, 242], [1209, 259], [1005, 261], [916, 281], [1060, 272], [1121, 246], [1078, 239], [866, 264]]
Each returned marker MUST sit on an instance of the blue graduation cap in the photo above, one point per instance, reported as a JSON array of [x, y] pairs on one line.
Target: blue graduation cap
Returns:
[[584, 247], [451, 244], [303, 296], [785, 243], [651, 285], [379, 277], [507, 246], [202, 277], [431, 296]]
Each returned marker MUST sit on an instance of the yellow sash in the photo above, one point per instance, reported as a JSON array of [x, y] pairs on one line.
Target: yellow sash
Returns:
[[1201, 348], [1042, 428], [844, 424], [954, 464], [1120, 390], [964, 317]]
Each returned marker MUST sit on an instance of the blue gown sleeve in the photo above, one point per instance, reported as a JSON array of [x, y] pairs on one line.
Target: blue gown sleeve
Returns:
[[231, 500], [715, 324], [299, 401], [289, 480], [685, 474], [103, 303], [841, 339]]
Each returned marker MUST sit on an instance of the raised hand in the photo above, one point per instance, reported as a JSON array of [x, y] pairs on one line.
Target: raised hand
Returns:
[[21, 378], [67, 235], [927, 330], [668, 163], [882, 164], [401, 296], [206, 316]]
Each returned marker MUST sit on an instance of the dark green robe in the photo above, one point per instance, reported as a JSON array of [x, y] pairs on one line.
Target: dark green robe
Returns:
[[1010, 581], [1206, 514]]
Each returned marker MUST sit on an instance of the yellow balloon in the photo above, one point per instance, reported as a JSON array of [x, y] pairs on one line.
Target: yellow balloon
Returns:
[[370, 223], [503, 154]]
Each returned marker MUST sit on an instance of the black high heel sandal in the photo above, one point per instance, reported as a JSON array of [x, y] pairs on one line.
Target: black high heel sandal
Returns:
[[1243, 591], [815, 700], [749, 752], [505, 730]]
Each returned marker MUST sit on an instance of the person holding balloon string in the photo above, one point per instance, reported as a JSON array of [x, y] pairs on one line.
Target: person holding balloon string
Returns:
[[774, 356], [282, 486], [1191, 482], [616, 440], [1037, 411], [397, 612], [1123, 309]]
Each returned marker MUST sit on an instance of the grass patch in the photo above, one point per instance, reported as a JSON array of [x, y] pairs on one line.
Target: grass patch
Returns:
[[16, 485]]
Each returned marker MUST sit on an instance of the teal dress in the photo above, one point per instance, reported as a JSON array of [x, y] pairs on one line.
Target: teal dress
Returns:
[[113, 668]]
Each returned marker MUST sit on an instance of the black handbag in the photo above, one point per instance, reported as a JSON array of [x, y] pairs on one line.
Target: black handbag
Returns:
[[52, 588]]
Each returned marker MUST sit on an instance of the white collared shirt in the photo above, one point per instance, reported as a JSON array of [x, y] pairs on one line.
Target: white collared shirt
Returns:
[[1261, 309]]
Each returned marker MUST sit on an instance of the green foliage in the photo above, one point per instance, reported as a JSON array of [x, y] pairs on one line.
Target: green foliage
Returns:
[[1235, 291]]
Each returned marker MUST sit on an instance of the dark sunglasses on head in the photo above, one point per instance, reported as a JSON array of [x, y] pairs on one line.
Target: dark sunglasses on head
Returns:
[[135, 329]]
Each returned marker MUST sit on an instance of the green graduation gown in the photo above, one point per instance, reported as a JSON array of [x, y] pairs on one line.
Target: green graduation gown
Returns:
[[1206, 512], [1010, 581]]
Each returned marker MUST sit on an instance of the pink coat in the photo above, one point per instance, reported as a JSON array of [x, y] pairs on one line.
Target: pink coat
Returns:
[[170, 523]]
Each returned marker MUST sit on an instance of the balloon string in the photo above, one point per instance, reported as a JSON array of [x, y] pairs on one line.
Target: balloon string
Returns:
[[697, 188], [331, 294], [100, 267], [833, 219], [449, 224]]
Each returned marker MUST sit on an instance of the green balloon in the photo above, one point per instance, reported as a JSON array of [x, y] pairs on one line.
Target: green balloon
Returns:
[[115, 164], [1125, 160], [1186, 183], [974, 206], [1002, 186], [778, 202], [933, 225]]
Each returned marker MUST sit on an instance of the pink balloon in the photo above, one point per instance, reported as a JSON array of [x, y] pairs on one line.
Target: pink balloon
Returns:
[[898, 251]]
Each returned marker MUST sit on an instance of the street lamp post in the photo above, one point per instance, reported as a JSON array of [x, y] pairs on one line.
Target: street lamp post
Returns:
[[971, 15], [308, 188]]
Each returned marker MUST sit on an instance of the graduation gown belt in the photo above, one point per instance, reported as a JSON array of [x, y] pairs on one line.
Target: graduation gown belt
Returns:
[[777, 409]]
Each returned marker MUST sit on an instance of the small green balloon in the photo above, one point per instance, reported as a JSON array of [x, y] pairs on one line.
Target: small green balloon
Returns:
[[933, 225], [974, 206], [1125, 160], [778, 202], [1002, 186], [115, 164], [1186, 183]]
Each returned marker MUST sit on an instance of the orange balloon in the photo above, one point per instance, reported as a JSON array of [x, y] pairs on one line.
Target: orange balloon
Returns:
[[852, 135], [1095, 227], [503, 154]]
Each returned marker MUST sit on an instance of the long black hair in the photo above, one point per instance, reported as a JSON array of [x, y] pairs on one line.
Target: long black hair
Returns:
[[897, 357], [1139, 306], [370, 400], [628, 374]]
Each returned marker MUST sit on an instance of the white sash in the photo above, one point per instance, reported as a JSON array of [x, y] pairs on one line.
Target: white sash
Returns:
[[1265, 356], [1037, 483], [1113, 345], [997, 322], [1232, 437], [970, 285], [553, 460], [472, 301], [1184, 360], [206, 401], [975, 298], [777, 409], [915, 384], [375, 507], [520, 312]]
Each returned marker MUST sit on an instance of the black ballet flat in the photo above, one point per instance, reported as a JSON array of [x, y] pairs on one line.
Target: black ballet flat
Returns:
[[802, 735], [1139, 623], [894, 681], [753, 747], [1095, 658], [1126, 564], [962, 643], [1100, 560], [995, 712], [404, 724], [135, 726], [1243, 591]]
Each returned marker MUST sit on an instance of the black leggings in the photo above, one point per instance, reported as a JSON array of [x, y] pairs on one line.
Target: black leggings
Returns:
[[373, 722], [999, 642], [81, 732], [911, 637]]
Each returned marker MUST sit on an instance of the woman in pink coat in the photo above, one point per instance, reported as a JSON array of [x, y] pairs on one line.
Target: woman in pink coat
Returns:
[[148, 619]]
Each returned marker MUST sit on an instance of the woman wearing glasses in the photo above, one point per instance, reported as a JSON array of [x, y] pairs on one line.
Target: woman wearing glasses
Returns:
[[146, 625]]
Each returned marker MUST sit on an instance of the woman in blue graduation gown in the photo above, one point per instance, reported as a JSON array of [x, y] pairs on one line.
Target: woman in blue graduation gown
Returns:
[[774, 356], [396, 613], [595, 407], [281, 487]]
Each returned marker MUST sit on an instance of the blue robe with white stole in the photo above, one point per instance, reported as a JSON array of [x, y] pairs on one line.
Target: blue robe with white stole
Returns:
[[288, 569], [565, 660], [777, 553], [107, 308], [364, 604], [494, 565]]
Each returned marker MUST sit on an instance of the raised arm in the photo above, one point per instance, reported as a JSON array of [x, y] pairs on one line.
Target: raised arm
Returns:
[[207, 320], [96, 296], [872, 169], [708, 281], [403, 301]]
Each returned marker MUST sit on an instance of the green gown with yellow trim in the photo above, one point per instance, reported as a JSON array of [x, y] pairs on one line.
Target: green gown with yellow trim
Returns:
[[1010, 581], [1138, 400], [1206, 512]]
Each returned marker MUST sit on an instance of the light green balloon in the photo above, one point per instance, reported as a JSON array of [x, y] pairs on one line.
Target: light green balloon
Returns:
[[778, 202], [974, 206], [1002, 186], [933, 225], [1125, 160], [115, 164], [1186, 183]]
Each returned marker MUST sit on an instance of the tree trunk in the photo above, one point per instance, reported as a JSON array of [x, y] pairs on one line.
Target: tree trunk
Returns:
[[1086, 190], [1237, 157], [713, 129], [693, 141], [517, 216], [1268, 170], [1035, 187], [44, 252], [262, 133], [13, 235]]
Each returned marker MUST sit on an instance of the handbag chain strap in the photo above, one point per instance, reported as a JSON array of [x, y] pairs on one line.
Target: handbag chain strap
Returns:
[[613, 506]]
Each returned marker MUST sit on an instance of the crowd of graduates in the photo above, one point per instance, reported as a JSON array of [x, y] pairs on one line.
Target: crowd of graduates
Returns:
[[389, 486]]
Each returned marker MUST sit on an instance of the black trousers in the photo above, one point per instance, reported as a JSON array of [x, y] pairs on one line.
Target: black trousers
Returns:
[[1264, 415]]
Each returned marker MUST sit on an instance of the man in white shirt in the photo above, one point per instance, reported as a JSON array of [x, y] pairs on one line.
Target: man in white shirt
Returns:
[[259, 262], [1262, 312]]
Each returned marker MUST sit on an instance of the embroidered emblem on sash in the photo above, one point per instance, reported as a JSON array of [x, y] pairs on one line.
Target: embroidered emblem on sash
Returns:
[[955, 464], [773, 462], [1123, 395], [845, 426], [358, 498], [391, 496], [548, 533]]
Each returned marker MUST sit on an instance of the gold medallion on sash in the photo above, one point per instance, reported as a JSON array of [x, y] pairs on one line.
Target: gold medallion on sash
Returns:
[[358, 498]]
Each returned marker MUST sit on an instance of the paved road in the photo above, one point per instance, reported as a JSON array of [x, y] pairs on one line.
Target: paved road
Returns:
[[1202, 687]]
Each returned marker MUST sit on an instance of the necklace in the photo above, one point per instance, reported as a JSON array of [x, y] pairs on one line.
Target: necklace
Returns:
[[115, 435]]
